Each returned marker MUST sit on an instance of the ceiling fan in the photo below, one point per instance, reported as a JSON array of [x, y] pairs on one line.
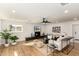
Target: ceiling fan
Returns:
[[63, 4], [44, 20]]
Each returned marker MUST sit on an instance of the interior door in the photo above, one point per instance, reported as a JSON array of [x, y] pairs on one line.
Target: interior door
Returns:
[[76, 31]]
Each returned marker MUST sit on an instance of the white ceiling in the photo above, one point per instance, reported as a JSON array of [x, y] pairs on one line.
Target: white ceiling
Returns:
[[33, 12]]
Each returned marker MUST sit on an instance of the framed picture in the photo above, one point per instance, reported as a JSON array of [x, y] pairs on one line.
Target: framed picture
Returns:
[[16, 28], [56, 29], [37, 28]]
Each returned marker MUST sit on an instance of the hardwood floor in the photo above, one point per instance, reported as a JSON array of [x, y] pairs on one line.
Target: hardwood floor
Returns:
[[23, 50], [19, 50], [73, 52]]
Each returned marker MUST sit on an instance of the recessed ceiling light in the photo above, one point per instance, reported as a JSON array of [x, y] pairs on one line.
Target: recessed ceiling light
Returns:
[[66, 11], [13, 11]]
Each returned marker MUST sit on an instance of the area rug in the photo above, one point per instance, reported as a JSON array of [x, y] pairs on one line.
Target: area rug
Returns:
[[38, 44]]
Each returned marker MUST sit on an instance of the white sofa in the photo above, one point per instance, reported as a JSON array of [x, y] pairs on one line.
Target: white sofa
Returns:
[[58, 43]]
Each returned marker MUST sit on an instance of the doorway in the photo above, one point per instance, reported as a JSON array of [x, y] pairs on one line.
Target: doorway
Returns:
[[75, 31]]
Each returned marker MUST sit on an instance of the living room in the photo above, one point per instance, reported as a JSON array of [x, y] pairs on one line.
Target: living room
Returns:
[[32, 23]]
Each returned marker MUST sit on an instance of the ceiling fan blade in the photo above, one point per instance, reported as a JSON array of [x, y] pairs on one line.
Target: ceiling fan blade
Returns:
[[63, 4]]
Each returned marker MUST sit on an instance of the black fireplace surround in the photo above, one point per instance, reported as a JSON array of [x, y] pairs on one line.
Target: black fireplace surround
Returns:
[[37, 36]]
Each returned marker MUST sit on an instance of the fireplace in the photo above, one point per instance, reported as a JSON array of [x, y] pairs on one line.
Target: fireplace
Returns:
[[37, 34]]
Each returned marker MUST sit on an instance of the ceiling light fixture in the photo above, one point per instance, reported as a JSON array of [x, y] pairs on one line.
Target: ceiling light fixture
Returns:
[[66, 11], [13, 11]]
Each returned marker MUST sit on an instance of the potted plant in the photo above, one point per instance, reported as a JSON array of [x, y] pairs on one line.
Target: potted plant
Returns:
[[5, 34], [13, 38]]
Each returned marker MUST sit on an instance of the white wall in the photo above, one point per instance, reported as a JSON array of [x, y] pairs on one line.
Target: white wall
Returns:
[[0, 30], [5, 24], [28, 28], [65, 27]]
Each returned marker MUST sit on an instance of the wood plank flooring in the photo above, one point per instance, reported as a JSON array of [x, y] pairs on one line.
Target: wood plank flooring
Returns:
[[23, 50], [19, 50], [74, 52]]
